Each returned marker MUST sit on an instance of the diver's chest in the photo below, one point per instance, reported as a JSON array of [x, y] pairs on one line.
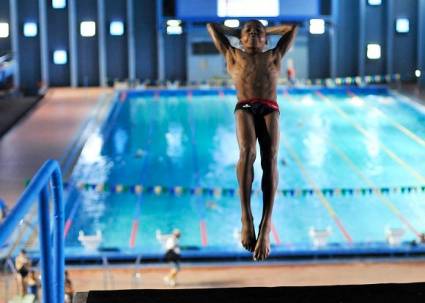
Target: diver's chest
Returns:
[[252, 65]]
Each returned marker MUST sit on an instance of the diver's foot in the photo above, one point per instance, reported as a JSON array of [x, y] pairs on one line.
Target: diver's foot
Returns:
[[262, 248], [248, 234]]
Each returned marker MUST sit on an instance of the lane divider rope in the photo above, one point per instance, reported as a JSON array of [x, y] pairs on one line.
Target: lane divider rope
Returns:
[[179, 191]]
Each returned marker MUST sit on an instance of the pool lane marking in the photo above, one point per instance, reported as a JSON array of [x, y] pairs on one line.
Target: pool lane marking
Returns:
[[387, 202], [408, 133], [202, 223], [275, 235], [360, 129], [135, 224], [325, 202], [74, 208], [70, 219], [134, 229], [204, 234]]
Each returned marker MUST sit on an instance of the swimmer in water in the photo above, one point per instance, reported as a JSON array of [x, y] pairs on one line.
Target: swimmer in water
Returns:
[[255, 73], [139, 153]]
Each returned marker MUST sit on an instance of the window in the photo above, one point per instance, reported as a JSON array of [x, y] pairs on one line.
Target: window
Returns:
[[174, 30], [88, 28], [204, 48], [374, 51], [30, 29], [173, 22], [231, 22], [374, 2], [116, 28], [174, 27], [317, 26], [60, 57], [402, 25], [58, 4], [4, 30]]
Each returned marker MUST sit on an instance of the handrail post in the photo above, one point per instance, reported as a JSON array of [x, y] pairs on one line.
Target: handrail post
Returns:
[[59, 238], [45, 247]]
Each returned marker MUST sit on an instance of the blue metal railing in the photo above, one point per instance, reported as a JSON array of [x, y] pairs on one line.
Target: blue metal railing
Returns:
[[52, 257]]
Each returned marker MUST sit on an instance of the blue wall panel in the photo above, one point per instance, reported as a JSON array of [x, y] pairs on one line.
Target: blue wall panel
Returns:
[[347, 31], [116, 46], [145, 39], [202, 67], [405, 45], [29, 47], [401, 53], [58, 38], [375, 24], [175, 57], [88, 47], [5, 44], [319, 56], [421, 40]]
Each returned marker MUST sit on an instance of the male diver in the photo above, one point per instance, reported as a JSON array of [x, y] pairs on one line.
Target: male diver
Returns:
[[255, 73]]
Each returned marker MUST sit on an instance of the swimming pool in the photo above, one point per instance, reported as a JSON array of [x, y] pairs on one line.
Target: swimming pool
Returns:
[[350, 165]]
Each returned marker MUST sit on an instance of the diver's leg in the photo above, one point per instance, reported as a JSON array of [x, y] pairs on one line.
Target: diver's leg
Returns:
[[268, 137], [245, 131]]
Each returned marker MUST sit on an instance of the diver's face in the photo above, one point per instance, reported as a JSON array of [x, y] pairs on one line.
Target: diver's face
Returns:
[[253, 36]]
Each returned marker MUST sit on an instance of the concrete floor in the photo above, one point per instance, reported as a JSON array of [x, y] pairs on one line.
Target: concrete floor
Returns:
[[254, 274], [44, 134], [244, 275]]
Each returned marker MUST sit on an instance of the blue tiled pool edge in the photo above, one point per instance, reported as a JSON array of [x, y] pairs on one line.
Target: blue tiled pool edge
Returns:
[[151, 92], [221, 254]]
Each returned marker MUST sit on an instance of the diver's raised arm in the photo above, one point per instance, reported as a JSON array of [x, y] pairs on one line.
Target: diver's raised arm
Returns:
[[286, 41], [218, 34], [280, 29]]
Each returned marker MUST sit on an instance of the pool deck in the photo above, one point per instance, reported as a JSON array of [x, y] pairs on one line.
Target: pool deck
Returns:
[[249, 274], [252, 274], [44, 134]]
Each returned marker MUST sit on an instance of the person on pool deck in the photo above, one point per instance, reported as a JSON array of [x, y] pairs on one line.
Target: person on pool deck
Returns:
[[172, 254], [23, 266], [255, 73]]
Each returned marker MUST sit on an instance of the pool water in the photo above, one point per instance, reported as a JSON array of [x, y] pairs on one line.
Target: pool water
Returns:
[[350, 163]]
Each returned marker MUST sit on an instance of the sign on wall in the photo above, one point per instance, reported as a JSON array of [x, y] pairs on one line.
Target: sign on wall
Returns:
[[216, 9], [244, 8]]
